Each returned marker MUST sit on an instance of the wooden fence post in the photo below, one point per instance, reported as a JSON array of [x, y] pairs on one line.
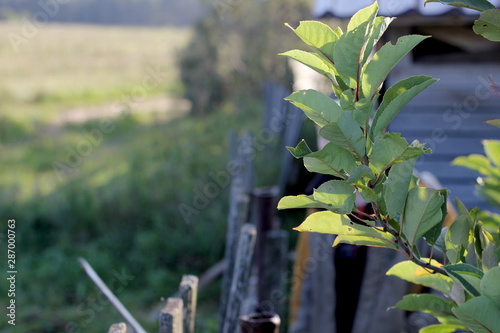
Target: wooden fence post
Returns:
[[118, 328], [272, 285], [243, 265], [171, 316], [239, 207], [188, 291]]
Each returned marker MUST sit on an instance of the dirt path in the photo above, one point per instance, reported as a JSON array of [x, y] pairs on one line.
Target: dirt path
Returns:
[[164, 105]]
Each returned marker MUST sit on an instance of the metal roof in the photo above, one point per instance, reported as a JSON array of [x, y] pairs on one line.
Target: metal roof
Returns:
[[345, 9]]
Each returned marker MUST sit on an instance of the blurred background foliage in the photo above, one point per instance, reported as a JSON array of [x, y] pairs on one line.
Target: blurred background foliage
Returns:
[[119, 208], [234, 50]]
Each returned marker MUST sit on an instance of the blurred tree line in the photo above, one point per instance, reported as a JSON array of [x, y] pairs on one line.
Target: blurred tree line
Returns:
[[235, 49], [119, 12]]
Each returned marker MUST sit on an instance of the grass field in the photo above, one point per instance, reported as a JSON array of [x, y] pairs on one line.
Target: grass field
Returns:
[[106, 188], [58, 66]]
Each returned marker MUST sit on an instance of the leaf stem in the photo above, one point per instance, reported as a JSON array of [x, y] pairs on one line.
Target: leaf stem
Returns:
[[403, 245]]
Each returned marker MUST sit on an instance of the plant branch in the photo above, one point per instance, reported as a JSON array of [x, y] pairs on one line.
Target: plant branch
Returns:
[[403, 245]]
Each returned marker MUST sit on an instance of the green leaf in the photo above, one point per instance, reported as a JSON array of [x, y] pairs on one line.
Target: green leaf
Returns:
[[488, 25], [368, 194], [379, 27], [432, 235], [363, 110], [339, 196], [299, 201], [327, 222], [479, 314], [489, 257], [397, 185], [312, 61], [396, 97], [331, 160], [411, 272], [490, 285], [366, 14], [347, 134], [390, 148], [490, 191], [349, 50], [457, 238], [301, 150], [319, 37], [422, 212], [493, 122], [479, 5], [432, 304], [475, 162], [365, 241], [492, 150], [446, 328], [359, 173], [468, 276], [318, 107], [384, 60]]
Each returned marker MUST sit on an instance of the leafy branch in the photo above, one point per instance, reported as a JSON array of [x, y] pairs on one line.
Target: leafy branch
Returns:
[[367, 161]]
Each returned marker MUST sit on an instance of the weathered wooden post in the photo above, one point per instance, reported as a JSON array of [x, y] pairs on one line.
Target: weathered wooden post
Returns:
[[171, 316], [239, 208], [239, 284], [273, 283], [188, 291]]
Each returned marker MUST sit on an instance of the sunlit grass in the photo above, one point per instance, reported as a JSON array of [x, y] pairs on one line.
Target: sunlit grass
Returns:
[[66, 65]]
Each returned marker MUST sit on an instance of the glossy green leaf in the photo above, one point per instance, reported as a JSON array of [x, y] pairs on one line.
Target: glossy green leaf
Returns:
[[319, 37], [457, 238], [347, 134], [492, 150], [363, 110], [365, 241], [327, 222], [433, 234], [396, 97], [339, 196], [397, 185], [366, 14], [375, 72], [359, 173], [318, 107], [331, 160], [312, 61], [349, 49], [379, 27], [468, 276], [489, 257], [488, 25], [368, 194], [475, 162], [479, 314], [432, 304], [299, 201], [445, 328], [301, 150], [479, 5], [409, 271], [422, 212], [490, 285], [391, 148]]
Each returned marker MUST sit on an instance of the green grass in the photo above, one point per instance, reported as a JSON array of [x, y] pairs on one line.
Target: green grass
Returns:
[[67, 65]]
